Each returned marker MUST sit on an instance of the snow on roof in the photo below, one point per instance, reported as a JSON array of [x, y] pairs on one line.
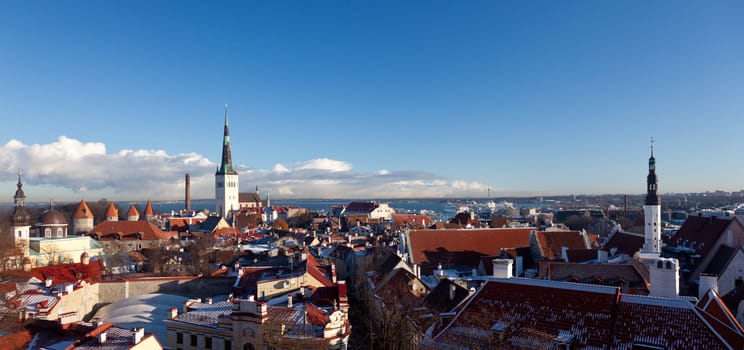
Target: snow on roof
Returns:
[[147, 310]]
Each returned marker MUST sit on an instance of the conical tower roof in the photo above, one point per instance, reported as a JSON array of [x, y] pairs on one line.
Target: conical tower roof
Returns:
[[148, 209], [111, 211], [82, 211], [132, 211]]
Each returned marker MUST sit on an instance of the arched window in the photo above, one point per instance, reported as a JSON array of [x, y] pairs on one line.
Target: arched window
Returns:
[[669, 265], [60, 232], [659, 264], [47, 232]]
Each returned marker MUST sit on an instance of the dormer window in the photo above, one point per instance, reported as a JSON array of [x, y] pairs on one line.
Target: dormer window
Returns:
[[499, 330], [564, 340]]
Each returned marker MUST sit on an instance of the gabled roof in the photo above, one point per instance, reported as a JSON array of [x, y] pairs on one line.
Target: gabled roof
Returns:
[[603, 274], [551, 242], [537, 312], [361, 207], [211, 223], [249, 197], [413, 220], [70, 273], [701, 230], [82, 211], [110, 230], [720, 259], [316, 270], [445, 296], [720, 317], [463, 247], [625, 243], [581, 255]]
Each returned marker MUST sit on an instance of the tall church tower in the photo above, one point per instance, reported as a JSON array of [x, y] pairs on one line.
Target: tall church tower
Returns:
[[652, 210], [226, 179], [21, 220]]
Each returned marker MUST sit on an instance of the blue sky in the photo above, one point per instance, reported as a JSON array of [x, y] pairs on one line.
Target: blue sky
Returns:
[[371, 98]]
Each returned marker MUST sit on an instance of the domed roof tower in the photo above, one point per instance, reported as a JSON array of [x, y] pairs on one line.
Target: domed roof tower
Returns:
[[52, 223]]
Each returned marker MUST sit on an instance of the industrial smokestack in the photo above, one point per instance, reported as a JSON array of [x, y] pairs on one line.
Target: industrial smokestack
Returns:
[[188, 191]]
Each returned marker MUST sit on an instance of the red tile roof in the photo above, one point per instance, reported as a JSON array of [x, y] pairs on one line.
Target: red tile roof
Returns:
[[551, 242], [70, 273], [316, 270], [618, 275], [413, 220], [128, 230], [82, 211], [433, 246], [624, 243], [581, 255], [701, 230], [361, 207], [537, 311]]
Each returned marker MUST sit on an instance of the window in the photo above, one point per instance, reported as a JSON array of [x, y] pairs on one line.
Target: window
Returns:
[[47, 232], [179, 338], [228, 344], [669, 265], [208, 342], [193, 340]]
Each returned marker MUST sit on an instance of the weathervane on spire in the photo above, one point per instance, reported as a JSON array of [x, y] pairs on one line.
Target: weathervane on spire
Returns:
[[652, 146]]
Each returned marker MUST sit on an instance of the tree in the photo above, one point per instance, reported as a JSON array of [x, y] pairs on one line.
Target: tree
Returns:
[[201, 251], [51, 253], [280, 224]]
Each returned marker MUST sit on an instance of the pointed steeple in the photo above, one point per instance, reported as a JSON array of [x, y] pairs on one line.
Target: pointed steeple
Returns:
[[20, 197], [21, 216], [226, 167], [652, 197]]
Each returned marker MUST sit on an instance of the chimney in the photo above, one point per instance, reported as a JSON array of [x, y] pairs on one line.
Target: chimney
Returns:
[[137, 334], [664, 274], [602, 256], [188, 191], [173, 312], [48, 282], [519, 266], [707, 282], [102, 337], [209, 300], [452, 289], [289, 301], [502, 268], [333, 272]]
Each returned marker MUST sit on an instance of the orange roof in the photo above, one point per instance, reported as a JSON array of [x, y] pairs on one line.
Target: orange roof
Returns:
[[111, 210], [82, 212], [484, 241], [148, 209], [551, 242], [132, 211], [109, 230], [70, 273]]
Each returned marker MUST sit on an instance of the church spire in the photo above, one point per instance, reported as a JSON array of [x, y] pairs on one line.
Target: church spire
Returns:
[[20, 197], [652, 198], [226, 167]]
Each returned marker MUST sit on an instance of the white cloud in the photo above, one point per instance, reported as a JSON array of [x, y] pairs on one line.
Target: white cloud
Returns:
[[280, 168], [324, 164], [86, 168]]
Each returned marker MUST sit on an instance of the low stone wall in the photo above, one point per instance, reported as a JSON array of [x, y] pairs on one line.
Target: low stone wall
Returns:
[[113, 290]]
